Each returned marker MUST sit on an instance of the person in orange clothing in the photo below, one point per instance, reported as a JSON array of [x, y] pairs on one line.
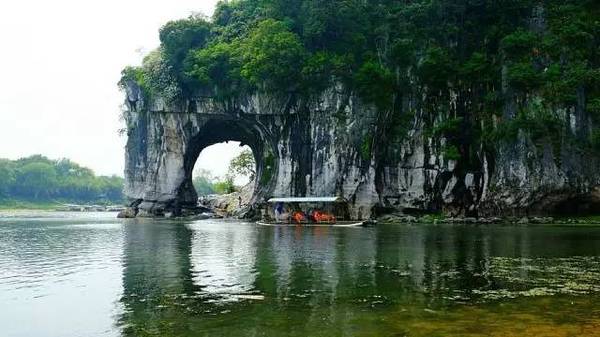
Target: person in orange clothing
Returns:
[[329, 218], [320, 217], [299, 217]]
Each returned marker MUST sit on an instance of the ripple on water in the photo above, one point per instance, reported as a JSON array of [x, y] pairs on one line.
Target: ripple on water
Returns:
[[33, 253], [227, 276]]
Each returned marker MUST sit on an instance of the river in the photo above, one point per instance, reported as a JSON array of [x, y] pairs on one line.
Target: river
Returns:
[[89, 274]]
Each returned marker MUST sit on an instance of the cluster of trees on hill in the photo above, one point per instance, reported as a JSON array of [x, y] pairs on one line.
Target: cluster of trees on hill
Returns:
[[37, 178], [480, 69]]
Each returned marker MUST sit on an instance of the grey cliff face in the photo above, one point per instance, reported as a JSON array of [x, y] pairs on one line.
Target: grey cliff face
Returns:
[[316, 148]]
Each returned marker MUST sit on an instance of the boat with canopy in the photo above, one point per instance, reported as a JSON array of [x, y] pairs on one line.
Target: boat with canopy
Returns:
[[308, 211]]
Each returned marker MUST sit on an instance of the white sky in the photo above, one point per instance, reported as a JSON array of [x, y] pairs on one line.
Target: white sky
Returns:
[[60, 61], [216, 159]]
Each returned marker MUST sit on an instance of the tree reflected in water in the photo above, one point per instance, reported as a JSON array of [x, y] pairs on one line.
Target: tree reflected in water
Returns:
[[234, 279]]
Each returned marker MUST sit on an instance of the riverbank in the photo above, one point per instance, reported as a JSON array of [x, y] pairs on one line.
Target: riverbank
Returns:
[[55, 205], [8, 205]]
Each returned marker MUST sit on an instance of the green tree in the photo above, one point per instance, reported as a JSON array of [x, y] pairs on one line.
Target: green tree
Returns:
[[243, 165], [375, 83], [38, 179], [272, 56], [159, 77], [7, 177], [437, 68], [41, 179], [203, 186], [447, 60], [204, 182], [225, 186], [179, 37], [217, 67], [234, 19], [338, 26]]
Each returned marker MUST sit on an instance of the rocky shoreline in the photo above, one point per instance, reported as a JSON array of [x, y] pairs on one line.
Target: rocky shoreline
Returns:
[[225, 207], [235, 205], [228, 206]]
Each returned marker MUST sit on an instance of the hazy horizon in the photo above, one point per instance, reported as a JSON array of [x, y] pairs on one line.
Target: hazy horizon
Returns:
[[60, 67]]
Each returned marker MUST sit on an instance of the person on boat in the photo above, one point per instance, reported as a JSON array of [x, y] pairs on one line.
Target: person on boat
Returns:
[[310, 215], [280, 212], [299, 217], [329, 218], [320, 217]]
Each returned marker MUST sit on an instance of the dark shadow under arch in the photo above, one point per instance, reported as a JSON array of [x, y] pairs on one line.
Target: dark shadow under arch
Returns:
[[247, 131]]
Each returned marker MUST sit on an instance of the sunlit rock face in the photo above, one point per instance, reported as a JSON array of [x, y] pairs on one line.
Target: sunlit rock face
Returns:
[[335, 145], [301, 148]]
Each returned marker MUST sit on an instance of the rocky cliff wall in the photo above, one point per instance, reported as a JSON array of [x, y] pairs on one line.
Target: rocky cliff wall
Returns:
[[336, 145]]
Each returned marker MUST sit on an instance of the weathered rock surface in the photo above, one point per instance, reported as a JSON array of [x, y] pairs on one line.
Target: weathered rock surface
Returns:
[[127, 213], [237, 204], [317, 148]]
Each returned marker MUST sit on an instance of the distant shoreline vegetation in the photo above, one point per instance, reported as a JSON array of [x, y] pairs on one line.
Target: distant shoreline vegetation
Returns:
[[40, 182]]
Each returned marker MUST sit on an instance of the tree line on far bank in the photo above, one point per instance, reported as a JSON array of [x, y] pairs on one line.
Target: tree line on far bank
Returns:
[[39, 179]]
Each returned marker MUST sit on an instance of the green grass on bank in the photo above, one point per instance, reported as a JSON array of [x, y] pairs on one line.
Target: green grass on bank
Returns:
[[15, 204], [11, 204]]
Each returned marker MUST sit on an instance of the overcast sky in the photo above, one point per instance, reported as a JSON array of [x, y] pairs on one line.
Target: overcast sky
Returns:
[[60, 62]]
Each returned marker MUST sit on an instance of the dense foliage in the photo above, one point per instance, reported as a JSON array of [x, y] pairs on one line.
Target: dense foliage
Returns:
[[38, 178], [243, 165], [473, 68]]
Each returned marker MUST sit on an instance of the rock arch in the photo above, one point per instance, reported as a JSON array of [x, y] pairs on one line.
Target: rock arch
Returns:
[[223, 128], [301, 149], [163, 148], [333, 144]]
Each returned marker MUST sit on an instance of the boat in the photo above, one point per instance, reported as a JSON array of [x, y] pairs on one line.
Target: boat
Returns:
[[309, 212], [337, 224]]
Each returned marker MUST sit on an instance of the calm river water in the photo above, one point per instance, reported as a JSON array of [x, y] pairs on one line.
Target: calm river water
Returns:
[[92, 275]]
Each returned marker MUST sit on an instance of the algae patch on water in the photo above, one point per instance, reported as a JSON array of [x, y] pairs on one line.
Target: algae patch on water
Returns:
[[517, 277]]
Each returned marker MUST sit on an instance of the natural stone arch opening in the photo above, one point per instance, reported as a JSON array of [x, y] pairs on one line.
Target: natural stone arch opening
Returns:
[[214, 164], [220, 129]]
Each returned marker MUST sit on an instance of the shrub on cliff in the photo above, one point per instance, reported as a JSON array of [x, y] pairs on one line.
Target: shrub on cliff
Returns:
[[473, 60], [272, 56]]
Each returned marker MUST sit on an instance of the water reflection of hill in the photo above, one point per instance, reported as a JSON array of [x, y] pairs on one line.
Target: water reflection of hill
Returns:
[[232, 279]]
